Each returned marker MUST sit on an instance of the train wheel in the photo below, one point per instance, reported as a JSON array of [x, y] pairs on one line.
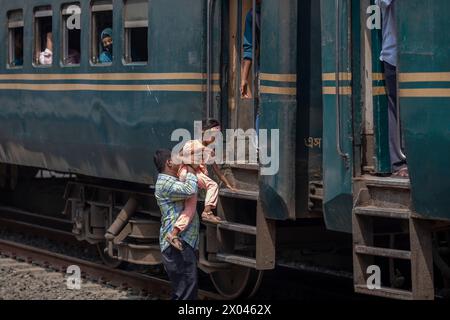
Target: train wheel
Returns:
[[107, 260], [237, 282]]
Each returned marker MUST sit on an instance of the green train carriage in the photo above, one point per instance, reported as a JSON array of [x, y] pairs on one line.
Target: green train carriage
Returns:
[[103, 122], [392, 221]]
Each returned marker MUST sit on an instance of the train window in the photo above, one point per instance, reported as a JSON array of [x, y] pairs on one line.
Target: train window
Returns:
[[102, 34], [71, 34], [15, 39], [136, 31], [43, 36]]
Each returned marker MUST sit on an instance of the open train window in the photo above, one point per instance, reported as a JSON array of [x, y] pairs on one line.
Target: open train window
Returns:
[[15, 39], [102, 39], [136, 31], [71, 34], [43, 36]]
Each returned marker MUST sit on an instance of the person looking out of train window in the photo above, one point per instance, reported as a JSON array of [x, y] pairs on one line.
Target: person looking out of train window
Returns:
[[171, 194], [73, 57], [106, 44], [46, 56], [197, 154], [389, 58]]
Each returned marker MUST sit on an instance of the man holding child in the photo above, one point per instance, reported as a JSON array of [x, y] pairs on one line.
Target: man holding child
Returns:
[[171, 193]]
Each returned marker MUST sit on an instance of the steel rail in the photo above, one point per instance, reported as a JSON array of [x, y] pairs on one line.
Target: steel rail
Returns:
[[150, 284], [120, 278]]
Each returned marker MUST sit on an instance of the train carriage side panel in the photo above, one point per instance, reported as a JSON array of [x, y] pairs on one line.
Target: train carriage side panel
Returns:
[[337, 114], [105, 122], [278, 107], [424, 84], [309, 120]]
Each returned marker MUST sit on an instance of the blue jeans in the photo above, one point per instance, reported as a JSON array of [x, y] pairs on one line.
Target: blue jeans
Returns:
[[181, 266]]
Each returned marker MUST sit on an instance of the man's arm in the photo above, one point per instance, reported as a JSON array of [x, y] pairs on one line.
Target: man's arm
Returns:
[[245, 89], [248, 37], [182, 190]]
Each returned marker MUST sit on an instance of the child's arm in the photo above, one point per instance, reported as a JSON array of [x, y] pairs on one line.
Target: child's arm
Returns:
[[222, 178], [182, 173], [182, 190]]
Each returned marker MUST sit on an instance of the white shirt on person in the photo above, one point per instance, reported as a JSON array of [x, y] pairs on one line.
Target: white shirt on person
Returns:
[[46, 57]]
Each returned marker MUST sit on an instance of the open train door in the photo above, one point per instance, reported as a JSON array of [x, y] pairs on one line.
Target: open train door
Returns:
[[337, 114], [424, 90]]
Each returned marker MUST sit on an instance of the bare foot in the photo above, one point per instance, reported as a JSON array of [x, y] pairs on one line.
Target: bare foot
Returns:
[[402, 173]]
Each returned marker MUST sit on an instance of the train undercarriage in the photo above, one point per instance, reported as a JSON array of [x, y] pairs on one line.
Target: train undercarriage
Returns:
[[124, 224], [122, 220]]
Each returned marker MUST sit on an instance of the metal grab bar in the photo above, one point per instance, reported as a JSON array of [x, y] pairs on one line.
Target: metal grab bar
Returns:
[[341, 153], [399, 130], [209, 111], [254, 62]]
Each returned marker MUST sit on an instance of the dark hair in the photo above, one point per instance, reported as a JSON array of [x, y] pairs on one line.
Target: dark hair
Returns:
[[160, 158], [209, 124]]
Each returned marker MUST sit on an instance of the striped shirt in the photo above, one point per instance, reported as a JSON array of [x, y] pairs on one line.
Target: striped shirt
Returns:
[[170, 194]]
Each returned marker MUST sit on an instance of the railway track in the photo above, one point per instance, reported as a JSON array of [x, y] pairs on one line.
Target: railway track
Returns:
[[27, 281], [115, 277], [58, 230]]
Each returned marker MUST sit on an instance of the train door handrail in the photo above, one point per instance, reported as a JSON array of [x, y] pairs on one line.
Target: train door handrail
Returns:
[[399, 130], [209, 111]]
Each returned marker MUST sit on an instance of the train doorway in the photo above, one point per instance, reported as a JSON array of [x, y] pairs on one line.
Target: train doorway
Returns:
[[382, 128], [230, 255], [243, 82]]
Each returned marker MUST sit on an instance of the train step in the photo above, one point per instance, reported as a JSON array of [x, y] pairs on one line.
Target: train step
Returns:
[[236, 259], [392, 213], [239, 194], [237, 227], [383, 252], [389, 293], [389, 198], [383, 182], [233, 226], [244, 223], [383, 192], [245, 166]]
